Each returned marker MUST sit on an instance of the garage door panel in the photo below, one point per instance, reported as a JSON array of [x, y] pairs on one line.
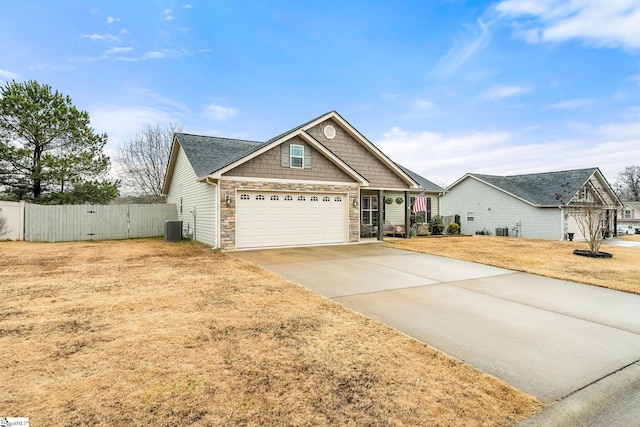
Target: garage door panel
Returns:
[[281, 219]]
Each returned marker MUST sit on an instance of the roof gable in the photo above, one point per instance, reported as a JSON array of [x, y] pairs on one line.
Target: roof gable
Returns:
[[213, 156]]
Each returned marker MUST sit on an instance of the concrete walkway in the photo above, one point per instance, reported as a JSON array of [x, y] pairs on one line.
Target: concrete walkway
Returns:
[[546, 337]]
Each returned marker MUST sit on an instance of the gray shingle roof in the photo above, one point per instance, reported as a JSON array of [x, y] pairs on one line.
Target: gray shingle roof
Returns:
[[275, 138], [542, 189], [208, 154], [425, 184]]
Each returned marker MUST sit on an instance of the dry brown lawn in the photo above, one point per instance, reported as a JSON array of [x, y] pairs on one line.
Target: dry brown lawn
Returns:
[[144, 332], [547, 258]]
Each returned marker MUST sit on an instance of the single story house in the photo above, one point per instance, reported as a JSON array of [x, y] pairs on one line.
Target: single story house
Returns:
[[538, 206], [629, 218], [321, 182]]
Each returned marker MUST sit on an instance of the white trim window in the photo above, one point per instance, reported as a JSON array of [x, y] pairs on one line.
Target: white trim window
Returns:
[[370, 210], [627, 214], [471, 216], [296, 156]]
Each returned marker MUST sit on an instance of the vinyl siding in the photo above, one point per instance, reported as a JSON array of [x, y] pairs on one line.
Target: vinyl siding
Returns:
[[394, 212], [495, 209], [194, 194]]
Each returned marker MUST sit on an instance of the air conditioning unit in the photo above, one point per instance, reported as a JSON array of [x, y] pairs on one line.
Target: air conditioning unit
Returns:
[[502, 231], [172, 231]]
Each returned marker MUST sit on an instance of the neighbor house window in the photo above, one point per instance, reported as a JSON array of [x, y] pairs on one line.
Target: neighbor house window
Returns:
[[296, 154], [471, 216], [627, 214]]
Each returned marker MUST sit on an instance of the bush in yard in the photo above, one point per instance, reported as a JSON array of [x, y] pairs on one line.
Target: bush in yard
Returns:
[[453, 228]]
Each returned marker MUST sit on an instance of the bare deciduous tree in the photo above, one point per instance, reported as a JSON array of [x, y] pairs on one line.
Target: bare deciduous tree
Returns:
[[628, 184], [143, 161], [590, 217]]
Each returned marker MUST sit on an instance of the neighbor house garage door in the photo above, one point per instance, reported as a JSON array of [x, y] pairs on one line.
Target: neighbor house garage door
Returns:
[[290, 219]]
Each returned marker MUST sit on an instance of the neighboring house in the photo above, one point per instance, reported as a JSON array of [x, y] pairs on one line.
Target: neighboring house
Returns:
[[318, 183], [538, 206], [629, 217]]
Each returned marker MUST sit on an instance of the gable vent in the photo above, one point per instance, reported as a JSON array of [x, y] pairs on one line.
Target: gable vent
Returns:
[[329, 132]]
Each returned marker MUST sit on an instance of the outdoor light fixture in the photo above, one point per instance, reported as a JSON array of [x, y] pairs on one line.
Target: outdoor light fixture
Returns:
[[355, 203], [227, 198]]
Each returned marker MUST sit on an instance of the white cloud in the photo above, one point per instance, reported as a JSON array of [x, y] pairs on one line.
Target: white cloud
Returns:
[[218, 112], [598, 23], [423, 104], [122, 123], [571, 104], [8, 75], [448, 156], [187, 6], [106, 37], [167, 15], [119, 50], [501, 91], [111, 20], [635, 78], [462, 51]]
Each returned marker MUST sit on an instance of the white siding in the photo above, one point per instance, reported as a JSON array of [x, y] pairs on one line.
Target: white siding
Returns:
[[394, 212], [189, 194], [495, 209]]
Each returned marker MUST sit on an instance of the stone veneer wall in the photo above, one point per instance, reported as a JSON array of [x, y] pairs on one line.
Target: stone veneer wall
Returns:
[[228, 214]]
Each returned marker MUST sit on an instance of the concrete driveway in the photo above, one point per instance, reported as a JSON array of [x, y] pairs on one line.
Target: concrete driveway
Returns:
[[546, 337]]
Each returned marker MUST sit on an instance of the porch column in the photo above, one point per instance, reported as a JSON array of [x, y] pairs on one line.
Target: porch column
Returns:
[[407, 214], [381, 206]]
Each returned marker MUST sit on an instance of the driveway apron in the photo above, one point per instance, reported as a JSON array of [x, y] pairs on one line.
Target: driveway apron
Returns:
[[546, 337]]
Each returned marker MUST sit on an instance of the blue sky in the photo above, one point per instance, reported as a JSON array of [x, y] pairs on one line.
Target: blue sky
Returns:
[[442, 87]]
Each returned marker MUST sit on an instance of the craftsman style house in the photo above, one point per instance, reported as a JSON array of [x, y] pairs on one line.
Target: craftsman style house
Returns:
[[322, 182]]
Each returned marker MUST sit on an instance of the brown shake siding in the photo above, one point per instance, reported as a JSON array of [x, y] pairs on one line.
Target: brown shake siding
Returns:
[[269, 165], [356, 156]]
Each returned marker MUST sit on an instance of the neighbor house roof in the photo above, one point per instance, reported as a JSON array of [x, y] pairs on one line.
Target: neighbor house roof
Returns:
[[539, 189], [208, 154], [425, 184]]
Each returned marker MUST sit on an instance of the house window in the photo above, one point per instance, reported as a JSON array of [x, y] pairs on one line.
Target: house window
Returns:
[[627, 214], [369, 210], [296, 154], [471, 216]]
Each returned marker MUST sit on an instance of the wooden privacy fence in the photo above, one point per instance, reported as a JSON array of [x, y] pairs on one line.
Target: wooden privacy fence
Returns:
[[63, 223]]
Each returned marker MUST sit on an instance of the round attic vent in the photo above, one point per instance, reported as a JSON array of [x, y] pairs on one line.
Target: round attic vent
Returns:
[[329, 132]]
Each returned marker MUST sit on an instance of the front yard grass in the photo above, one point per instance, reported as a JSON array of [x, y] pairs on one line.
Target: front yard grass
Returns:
[[144, 332], [544, 257]]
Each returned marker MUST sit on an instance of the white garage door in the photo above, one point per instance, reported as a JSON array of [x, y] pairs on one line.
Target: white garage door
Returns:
[[290, 219]]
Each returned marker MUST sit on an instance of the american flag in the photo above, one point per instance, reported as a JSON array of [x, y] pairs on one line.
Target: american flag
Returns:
[[420, 205]]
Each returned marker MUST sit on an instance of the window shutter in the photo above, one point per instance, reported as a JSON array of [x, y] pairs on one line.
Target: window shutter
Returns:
[[285, 155], [307, 157]]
